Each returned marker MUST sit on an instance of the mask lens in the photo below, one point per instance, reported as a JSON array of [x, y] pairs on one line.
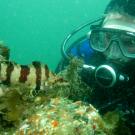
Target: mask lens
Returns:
[[100, 40], [128, 45]]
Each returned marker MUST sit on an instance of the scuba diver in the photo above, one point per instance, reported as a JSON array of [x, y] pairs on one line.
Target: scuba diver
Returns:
[[108, 51]]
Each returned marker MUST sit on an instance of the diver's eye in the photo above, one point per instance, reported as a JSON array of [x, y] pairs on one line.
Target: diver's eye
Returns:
[[133, 41], [127, 40], [108, 35]]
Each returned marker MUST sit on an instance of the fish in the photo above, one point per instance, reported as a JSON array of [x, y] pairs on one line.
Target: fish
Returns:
[[35, 76], [12, 73]]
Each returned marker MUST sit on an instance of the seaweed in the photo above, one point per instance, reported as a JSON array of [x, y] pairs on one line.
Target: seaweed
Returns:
[[114, 121], [77, 89], [13, 105]]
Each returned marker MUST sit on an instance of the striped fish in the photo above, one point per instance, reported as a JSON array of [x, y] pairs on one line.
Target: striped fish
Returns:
[[35, 76]]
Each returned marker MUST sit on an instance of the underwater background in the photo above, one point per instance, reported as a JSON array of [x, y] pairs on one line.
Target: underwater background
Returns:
[[35, 29]]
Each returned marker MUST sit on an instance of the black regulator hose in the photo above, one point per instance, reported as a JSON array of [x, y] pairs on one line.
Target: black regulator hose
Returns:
[[64, 43]]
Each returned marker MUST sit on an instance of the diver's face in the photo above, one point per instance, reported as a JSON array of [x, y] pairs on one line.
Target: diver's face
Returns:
[[121, 22]]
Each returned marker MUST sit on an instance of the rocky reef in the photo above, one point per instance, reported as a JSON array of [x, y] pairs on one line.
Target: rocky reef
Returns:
[[59, 108]]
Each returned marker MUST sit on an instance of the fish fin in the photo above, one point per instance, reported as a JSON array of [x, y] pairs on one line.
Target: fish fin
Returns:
[[4, 52]]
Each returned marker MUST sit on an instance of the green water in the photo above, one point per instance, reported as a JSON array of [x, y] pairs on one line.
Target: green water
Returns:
[[34, 29]]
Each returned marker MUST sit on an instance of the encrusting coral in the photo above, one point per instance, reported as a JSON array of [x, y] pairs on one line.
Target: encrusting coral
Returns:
[[64, 117]]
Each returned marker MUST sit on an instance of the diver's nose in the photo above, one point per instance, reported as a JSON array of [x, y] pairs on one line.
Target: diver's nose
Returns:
[[114, 51]]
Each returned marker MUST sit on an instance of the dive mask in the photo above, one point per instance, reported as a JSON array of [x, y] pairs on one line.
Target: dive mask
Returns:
[[102, 38]]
